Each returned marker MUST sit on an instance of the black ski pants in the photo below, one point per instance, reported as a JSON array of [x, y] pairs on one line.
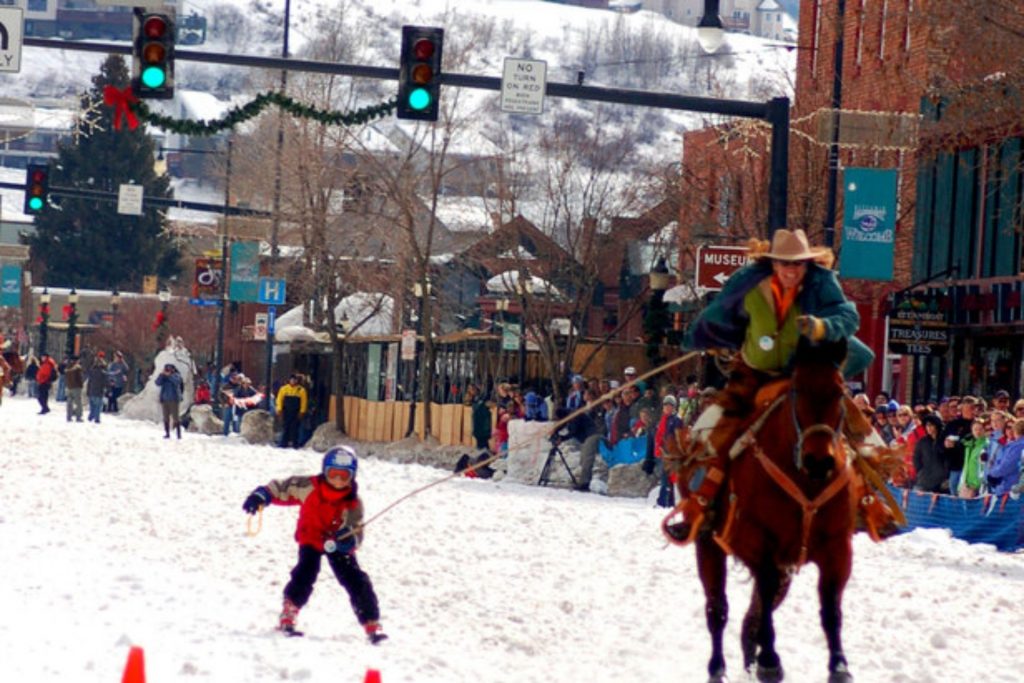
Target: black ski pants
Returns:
[[351, 577]]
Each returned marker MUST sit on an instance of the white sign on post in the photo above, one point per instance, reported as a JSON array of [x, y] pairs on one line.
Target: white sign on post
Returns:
[[129, 199], [12, 21], [260, 325], [523, 84]]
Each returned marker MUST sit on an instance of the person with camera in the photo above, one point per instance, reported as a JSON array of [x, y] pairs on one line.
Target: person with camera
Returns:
[[952, 442], [330, 523], [171, 389]]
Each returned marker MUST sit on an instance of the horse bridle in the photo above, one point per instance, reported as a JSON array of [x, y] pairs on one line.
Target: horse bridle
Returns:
[[820, 427]]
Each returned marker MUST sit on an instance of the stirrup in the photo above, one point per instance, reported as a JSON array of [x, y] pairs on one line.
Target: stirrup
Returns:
[[674, 537]]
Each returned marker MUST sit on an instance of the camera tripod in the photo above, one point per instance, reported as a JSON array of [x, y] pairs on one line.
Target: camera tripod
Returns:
[[545, 473]]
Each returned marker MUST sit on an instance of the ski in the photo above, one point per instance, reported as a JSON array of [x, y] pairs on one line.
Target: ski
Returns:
[[291, 632]]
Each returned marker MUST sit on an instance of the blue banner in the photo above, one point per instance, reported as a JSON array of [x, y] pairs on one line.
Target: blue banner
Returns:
[[10, 290], [869, 223], [997, 520], [245, 272], [624, 452]]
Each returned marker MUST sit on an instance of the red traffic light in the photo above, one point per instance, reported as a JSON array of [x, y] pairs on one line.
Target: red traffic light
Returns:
[[155, 27], [37, 176], [423, 49]]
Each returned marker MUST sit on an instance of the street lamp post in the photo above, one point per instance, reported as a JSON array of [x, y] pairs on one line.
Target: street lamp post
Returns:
[[656, 319], [223, 276], [44, 319], [417, 291], [115, 304], [161, 331], [69, 348], [524, 286]]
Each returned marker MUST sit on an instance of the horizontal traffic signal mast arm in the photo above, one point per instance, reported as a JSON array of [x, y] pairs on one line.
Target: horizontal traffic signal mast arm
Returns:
[[147, 201], [645, 98]]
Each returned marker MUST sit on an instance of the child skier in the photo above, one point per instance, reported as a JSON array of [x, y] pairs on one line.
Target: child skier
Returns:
[[330, 523]]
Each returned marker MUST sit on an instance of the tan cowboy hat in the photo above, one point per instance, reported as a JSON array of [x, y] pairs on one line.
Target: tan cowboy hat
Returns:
[[792, 245]]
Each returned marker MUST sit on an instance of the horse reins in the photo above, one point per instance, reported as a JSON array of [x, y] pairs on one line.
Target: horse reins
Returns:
[[810, 507]]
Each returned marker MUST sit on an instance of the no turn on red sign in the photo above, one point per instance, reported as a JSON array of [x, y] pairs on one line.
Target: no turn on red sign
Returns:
[[716, 263]]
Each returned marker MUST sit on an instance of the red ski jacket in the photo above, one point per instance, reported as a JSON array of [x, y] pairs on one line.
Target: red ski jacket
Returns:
[[324, 509]]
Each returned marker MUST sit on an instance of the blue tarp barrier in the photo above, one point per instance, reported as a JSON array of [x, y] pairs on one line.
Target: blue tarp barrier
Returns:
[[988, 519], [625, 452]]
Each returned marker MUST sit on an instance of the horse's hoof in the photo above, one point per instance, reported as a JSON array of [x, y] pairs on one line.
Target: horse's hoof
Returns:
[[840, 677], [719, 676], [769, 674]]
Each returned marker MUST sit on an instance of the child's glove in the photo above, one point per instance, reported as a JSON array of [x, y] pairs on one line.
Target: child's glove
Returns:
[[344, 542], [257, 499]]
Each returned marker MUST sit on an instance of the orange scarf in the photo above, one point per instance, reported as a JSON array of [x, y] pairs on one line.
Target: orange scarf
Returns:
[[783, 300]]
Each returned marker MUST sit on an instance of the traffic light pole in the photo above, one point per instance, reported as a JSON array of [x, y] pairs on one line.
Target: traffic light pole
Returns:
[[774, 111]]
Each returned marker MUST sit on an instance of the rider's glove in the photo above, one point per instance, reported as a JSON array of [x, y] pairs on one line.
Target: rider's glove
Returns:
[[811, 327], [344, 541], [257, 499]]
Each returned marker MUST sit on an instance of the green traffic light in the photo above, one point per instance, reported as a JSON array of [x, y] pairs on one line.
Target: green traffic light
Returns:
[[419, 99], [153, 77], [35, 203]]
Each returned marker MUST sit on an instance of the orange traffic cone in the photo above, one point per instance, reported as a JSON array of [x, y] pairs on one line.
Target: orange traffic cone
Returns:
[[135, 667], [372, 676]]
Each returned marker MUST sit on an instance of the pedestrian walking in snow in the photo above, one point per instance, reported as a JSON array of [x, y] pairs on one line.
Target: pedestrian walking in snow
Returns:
[[96, 386], [171, 388], [330, 523], [74, 378], [292, 403], [45, 376]]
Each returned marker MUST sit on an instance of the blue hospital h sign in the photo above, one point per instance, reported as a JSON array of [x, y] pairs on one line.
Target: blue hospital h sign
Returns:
[[272, 291]]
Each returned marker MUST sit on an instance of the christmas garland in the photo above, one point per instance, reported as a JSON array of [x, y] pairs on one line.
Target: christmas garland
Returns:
[[125, 104]]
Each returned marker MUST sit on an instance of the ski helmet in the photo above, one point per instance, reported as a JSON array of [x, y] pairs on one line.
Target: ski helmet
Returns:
[[340, 458]]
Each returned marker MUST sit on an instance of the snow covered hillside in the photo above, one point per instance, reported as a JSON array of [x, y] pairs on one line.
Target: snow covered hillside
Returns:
[[113, 536]]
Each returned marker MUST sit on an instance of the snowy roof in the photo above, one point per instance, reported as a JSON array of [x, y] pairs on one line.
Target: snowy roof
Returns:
[[17, 114], [768, 6], [360, 308], [464, 213], [508, 283]]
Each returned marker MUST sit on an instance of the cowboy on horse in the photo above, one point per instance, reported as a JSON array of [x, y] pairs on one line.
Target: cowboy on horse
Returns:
[[757, 319]]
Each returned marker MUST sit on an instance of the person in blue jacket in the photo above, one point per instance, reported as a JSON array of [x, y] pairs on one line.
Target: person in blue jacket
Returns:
[[788, 291], [1004, 472], [171, 389]]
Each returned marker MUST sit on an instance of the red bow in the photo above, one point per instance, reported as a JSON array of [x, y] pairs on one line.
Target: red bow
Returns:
[[121, 101], [160, 318]]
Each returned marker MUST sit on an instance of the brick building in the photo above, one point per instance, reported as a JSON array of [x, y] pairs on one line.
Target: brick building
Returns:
[[906, 65]]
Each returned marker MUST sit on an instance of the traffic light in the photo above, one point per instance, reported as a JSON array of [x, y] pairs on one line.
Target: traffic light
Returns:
[[419, 73], [153, 55], [37, 186]]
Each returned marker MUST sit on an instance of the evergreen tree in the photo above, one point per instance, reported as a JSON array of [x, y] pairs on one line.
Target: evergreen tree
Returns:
[[85, 243]]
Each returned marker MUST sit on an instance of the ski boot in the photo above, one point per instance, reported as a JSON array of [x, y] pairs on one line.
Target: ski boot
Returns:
[[374, 632]]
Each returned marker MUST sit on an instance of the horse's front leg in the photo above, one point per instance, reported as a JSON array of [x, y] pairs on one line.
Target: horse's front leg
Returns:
[[834, 571], [711, 567], [752, 621], [768, 584]]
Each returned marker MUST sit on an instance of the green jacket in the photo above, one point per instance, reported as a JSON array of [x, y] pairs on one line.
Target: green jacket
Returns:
[[723, 324]]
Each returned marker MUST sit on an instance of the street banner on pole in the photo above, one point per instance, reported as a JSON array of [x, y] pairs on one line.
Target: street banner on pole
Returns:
[[245, 272], [869, 223], [10, 289]]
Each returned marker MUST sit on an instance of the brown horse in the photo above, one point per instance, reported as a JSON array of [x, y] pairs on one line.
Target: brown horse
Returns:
[[789, 501]]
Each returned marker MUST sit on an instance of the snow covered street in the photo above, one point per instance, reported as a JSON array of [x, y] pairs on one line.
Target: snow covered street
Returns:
[[113, 536]]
